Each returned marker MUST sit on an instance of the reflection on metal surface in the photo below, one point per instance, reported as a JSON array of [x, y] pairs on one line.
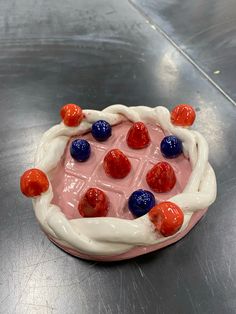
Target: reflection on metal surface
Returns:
[[151, 25], [168, 71], [215, 131], [204, 30]]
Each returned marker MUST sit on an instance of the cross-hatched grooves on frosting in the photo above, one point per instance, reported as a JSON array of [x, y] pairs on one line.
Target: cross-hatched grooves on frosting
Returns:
[[110, 235], [93, 175]]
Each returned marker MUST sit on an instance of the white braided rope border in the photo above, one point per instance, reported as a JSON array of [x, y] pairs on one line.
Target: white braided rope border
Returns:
[[111, 236]]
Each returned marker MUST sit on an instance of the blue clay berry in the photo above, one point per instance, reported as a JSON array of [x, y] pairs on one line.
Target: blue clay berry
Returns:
[[101, 130], [80, 150], [171, 146], [140, 202]]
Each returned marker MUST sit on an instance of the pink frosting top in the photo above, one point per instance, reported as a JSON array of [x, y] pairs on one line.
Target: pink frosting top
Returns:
[[71, 179]]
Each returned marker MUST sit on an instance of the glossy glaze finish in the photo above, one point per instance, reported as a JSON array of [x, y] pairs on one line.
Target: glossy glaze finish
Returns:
[[71, 179], [94, 203], [80, 150], [183, 115], [94, 236], [167, 218], [71, 115], [171, 146], [140, 202], [161, 177], [101, 130], [116, 164], [138, 136], [96, 55], [33, 182]]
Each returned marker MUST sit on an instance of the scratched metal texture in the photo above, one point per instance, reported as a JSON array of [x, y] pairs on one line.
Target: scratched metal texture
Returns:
[[96, 53], [204, 30]]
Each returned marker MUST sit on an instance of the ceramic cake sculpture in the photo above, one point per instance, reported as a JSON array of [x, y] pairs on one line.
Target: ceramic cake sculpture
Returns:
[[114, 184]]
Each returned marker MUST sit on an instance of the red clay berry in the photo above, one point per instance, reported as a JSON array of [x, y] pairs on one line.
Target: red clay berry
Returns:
[[33, 182], [71, 114], [183, 115], [167, 218], [93, 204], [138, 136], [161, 178], [116, 164]]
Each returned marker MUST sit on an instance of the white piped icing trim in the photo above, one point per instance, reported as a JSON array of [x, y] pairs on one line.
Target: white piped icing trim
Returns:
[[112, 236]]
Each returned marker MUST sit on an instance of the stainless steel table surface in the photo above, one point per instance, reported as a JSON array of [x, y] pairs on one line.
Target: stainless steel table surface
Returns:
[[96, 53], [205, 31]]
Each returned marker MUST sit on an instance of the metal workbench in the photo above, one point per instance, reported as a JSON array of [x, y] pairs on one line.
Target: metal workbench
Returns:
[[96, 53]]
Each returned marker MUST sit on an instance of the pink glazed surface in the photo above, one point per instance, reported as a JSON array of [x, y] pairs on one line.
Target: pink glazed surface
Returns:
[[71, 179]]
